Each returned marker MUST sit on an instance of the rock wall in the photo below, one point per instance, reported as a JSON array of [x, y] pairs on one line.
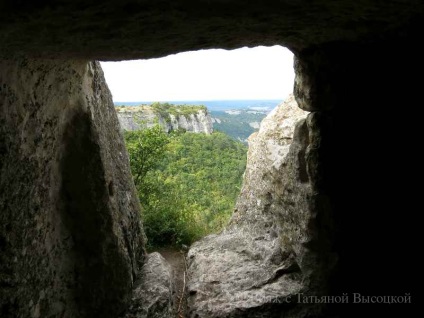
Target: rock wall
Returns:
[[259, 262], [71, 242], [201, 122], [364, 184]]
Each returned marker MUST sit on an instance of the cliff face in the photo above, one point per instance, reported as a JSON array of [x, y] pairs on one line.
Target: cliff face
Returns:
[[133, 118]]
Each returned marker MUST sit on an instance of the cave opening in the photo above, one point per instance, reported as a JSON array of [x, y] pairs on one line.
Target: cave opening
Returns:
[[187, 122], [188, 183]]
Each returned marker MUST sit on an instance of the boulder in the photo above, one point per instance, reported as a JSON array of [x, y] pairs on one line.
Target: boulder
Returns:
[[153, 290]]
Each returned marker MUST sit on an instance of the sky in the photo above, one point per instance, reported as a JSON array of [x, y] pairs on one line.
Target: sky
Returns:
[[246, 73]]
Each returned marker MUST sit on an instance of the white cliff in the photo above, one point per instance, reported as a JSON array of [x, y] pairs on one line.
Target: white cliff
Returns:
[[135, 118]]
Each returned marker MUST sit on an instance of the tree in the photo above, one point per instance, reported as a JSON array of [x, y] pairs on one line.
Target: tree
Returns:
[[145, 147]]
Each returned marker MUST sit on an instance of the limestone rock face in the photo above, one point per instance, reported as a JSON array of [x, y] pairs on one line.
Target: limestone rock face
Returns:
[[153, 291], [131, 119], [259, 264], [71, 242], [197, 123]]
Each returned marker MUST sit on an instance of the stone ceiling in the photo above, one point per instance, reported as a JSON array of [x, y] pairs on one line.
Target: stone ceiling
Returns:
[[128, 29]]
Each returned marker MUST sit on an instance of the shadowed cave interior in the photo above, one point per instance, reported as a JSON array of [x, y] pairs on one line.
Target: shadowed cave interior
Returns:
[[71, 247]]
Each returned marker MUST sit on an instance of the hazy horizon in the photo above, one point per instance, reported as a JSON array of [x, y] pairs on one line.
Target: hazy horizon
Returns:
[[199, 100]]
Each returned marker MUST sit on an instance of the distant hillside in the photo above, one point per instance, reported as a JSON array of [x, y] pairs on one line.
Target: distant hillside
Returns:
[[238, 124], [191, 118], [236, 118]]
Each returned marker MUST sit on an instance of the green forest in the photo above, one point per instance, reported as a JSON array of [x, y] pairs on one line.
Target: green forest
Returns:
[[187, 183]]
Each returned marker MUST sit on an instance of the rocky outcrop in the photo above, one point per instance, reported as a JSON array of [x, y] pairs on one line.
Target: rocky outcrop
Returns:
[[71, 242], [259, 264], [134, 118], [153, 291]]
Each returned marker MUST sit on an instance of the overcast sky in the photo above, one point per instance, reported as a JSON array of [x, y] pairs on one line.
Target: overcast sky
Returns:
[[256, 73]]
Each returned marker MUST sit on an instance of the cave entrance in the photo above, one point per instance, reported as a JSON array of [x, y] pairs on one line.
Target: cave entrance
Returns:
[[188, 183], [186, 120]]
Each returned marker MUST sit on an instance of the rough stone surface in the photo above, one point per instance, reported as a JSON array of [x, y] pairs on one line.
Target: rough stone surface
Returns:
[[71, 241], [132, 119], [261, 259], [128, 29], [364, 185], [316, 77], [153, 290]]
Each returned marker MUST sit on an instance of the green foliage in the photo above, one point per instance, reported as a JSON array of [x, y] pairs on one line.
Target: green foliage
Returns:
[[145, 148], [191, 190]]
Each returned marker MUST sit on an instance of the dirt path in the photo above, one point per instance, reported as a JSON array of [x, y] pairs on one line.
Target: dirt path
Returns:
[[176, 259]]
